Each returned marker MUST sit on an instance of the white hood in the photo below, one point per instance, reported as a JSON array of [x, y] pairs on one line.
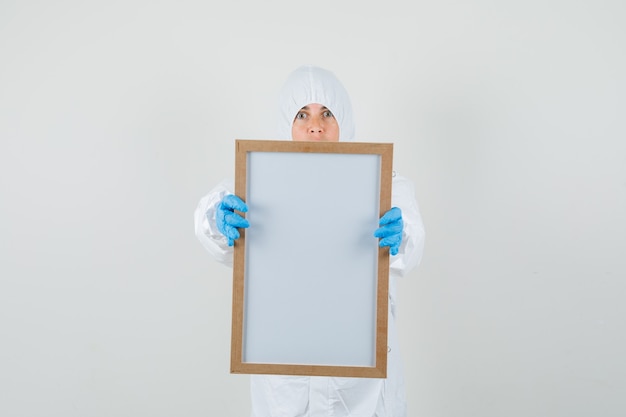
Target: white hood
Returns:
[[309, 84]]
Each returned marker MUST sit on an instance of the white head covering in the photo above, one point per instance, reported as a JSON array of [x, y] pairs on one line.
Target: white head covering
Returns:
[[309, 84]]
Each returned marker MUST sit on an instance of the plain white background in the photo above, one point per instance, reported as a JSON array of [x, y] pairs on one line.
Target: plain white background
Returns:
[[117, 116]]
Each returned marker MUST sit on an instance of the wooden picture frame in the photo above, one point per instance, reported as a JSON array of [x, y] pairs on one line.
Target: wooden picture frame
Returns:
[[310, 283]]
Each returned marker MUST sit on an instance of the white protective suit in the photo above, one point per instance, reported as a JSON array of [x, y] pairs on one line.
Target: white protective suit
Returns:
[[295, 396]]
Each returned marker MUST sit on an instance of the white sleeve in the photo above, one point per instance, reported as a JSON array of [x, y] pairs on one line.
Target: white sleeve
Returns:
[[206, 227], [410, 252]]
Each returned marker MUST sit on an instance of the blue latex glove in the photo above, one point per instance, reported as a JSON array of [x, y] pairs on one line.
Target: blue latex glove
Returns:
[[227, 220], [390, 230]]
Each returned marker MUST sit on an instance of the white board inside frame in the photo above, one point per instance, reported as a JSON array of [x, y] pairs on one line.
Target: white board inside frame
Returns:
[[309, 280]]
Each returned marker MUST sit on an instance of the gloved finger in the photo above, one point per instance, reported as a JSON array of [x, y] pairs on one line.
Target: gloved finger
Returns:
[[391, 216], [231, 233], [233, 202], [390, 241], [393, 242], [235, 220], [389, 229]]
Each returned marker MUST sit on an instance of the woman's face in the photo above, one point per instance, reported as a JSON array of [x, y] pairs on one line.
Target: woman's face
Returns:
[[315, 122]]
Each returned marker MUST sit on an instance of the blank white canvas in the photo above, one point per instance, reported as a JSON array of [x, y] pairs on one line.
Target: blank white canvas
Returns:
[[311, 258]]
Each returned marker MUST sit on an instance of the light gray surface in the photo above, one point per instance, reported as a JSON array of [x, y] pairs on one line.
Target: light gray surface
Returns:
[[116, 117], [295, 264]]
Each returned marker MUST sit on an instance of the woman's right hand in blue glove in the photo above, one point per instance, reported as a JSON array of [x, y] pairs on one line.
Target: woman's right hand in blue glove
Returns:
[[227, 220]]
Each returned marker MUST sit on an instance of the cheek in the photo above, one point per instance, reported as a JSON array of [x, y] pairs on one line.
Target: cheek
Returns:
[[298, 134], [334, 132]]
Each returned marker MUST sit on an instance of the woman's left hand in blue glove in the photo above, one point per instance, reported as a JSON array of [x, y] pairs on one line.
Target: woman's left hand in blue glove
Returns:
[[390, 230]]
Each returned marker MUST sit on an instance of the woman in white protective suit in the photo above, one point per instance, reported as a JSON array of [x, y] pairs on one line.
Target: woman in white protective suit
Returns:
[[315, 106]]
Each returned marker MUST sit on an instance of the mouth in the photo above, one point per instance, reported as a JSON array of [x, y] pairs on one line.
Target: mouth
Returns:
[[318, 138]]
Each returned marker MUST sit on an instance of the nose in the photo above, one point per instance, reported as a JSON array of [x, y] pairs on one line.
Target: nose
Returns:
[[316, 126]]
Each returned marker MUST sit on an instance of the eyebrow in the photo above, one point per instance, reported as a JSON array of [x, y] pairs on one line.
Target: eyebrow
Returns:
[[307, 108]]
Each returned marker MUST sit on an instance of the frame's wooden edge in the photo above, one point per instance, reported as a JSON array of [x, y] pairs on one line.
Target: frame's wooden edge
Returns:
[[238, 262], [382, 293], [310, 370], [247, 145]]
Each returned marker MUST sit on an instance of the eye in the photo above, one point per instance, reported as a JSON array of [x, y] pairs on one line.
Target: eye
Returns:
[[301, 115], [327, 113]]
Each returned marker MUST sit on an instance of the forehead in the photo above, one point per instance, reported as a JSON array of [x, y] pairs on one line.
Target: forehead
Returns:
[[314, 107]]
